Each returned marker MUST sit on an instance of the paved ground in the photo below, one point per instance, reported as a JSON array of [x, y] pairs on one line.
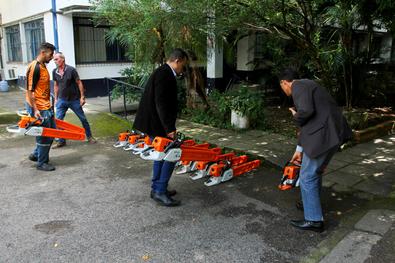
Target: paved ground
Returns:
[[366, 169], [95, 207]]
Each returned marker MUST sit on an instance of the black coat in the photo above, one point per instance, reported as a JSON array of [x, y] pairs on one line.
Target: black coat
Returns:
[[157, 112], [322, 123]]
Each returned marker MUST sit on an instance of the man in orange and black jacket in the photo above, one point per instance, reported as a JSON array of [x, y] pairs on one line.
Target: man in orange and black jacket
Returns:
[[38, 103]]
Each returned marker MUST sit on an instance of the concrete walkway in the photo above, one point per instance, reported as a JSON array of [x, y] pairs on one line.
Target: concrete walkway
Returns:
[[358, 244], [15, 99], [366, 169]]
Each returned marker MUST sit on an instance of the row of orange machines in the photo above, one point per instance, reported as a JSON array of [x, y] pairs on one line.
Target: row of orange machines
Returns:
[[191, 157]]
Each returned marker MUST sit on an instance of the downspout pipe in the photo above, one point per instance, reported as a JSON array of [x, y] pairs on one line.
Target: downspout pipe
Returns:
[[55, 25]]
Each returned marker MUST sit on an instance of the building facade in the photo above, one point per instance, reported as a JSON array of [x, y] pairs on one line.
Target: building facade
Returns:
[[68, 25]]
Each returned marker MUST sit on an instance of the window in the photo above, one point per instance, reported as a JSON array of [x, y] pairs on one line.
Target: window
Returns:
[[13, 39], [91, 45], [259, 45], [34, 31], [376, 47]]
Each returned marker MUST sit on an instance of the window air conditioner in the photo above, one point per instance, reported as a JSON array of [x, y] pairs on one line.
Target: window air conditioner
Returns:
[[11, 73]]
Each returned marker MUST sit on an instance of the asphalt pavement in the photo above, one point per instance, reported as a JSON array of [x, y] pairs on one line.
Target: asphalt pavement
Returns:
[[96, 208]]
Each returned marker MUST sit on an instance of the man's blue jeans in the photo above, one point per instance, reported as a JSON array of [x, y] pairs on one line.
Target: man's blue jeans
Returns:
[[43, 144], [161, 175], [61, 108], [311, 183]]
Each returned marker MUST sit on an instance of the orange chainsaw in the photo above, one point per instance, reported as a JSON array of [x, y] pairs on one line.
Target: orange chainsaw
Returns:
[[290, 178], [32, 126], [176, 150], [227, 169]]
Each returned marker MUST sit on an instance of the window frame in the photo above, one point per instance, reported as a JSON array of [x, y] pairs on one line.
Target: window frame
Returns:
[[18, 58], [79, 22], [30, 53]]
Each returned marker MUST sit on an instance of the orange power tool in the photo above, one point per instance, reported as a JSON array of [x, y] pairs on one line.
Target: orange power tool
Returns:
[[32, 126], [290, 178]]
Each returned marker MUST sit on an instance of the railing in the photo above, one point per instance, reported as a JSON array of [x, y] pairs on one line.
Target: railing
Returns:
[[124, 86]]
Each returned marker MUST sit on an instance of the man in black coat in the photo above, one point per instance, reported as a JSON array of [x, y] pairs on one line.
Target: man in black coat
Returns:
[[157, 116], [323, 129]]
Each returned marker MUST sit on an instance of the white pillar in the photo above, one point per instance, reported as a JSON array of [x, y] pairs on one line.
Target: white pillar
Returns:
[[49, 37], [24, 46], [215, 58], [66, 38]]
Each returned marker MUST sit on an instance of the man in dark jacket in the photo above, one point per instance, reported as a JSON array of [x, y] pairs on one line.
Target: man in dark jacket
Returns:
[[69, 94], [323, 129], [157, 116]]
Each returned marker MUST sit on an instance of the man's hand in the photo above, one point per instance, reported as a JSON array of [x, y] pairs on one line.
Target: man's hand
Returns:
[[293, 111], [172, 135], [82, 101], [297, 158], [37, 114]]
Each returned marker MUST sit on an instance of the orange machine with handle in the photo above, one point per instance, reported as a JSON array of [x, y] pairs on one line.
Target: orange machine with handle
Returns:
[[290, 178], [32, 126]]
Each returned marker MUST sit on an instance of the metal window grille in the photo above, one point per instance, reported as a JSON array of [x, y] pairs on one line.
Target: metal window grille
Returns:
[[91, 46], [34, 31], [13, 38]]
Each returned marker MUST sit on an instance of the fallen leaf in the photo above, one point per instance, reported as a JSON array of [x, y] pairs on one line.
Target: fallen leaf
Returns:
[[146, 257]]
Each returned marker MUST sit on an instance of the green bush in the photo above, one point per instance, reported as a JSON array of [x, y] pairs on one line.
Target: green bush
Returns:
[[243, 100], [136, 75], [247, 102], [217, 115]]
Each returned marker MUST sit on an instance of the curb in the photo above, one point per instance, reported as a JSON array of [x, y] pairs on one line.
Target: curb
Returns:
[[373, 132]]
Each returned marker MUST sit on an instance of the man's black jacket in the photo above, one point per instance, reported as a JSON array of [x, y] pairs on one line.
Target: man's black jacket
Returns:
[[157, 112], [322, 123]]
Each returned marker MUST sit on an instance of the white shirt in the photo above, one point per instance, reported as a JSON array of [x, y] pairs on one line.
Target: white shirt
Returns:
[[175, 74]]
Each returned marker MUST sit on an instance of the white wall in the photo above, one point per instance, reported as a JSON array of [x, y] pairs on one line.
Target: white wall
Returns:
[[49, 36], [67, 3], [12, 13], [21, 11], [98, 71], [14, 10], [66, 38]]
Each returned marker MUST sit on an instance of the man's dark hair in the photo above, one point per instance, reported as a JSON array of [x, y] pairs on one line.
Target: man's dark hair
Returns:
[[47, 46], [288, 75], [178, 53]]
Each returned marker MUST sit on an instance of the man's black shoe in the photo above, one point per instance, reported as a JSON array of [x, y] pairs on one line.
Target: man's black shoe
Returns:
[[169, 193], [299, 205], [33, 158], [317, 226], [165, 200], [46, 167]]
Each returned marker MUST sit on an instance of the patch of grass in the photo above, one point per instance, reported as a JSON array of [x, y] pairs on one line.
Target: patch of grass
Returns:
[[102, 124], [8, 118]]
